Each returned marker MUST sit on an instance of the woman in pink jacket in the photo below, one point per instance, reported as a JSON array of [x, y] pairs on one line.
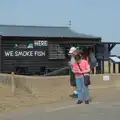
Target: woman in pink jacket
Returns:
[[81, 69]]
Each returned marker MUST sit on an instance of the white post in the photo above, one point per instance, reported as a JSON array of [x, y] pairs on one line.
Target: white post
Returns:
[[13, 82]]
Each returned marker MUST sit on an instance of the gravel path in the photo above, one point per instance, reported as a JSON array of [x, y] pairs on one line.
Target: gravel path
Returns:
[[105, 106]]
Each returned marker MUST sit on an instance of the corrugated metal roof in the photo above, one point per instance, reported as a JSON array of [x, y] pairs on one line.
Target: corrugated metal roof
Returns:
[[40, 31]]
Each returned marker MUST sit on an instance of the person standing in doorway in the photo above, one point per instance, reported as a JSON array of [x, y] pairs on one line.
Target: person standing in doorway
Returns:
[[73, 52]]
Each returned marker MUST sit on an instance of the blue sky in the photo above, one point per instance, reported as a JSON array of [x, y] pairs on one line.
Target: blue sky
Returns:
[[96, 17]]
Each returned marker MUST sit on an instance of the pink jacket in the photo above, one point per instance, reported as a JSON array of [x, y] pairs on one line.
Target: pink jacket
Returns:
[[84, 65]]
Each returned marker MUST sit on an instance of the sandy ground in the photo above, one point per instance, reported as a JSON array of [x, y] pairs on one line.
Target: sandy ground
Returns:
[[10, 102]]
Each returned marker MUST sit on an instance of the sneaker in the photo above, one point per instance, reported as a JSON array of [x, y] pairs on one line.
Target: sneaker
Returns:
[[87, 102], [79, 102]]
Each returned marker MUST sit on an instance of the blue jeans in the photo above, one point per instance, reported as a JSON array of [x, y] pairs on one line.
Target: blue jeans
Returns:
[[80, 85]]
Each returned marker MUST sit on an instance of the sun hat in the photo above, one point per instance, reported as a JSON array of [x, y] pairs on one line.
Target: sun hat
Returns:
[[72, 49]]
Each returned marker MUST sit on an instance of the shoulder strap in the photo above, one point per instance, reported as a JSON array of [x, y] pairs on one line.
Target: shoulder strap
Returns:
[[80, 68]]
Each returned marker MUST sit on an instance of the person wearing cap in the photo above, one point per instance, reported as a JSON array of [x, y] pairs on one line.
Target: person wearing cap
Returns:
[[73, 52]]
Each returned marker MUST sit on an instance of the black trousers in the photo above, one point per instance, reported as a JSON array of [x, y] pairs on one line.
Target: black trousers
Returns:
[[72, 79]]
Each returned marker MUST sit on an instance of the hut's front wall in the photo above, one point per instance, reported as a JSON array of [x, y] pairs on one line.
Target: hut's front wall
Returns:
[[36, 54], [28, 53]]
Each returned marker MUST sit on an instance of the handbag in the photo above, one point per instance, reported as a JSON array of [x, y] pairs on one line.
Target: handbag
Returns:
[[86, 77]]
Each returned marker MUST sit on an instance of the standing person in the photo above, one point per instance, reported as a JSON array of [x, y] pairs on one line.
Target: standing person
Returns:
[[85, 54], [73, 53], [93, 61], [81, 69]]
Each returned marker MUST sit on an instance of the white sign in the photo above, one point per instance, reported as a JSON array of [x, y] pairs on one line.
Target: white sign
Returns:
[[24, 53], [40, 43], [106, 78]]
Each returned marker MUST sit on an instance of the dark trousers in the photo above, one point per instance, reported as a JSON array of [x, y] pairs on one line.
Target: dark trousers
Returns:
[[72, 79]]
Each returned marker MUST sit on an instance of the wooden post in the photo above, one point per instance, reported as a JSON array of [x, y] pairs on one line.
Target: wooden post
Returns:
[[117, 68], [111, 70], [13, 82], [109, 66], [114, 68]]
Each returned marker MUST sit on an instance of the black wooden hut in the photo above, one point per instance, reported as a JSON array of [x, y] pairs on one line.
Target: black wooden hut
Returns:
[[37, 49]]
